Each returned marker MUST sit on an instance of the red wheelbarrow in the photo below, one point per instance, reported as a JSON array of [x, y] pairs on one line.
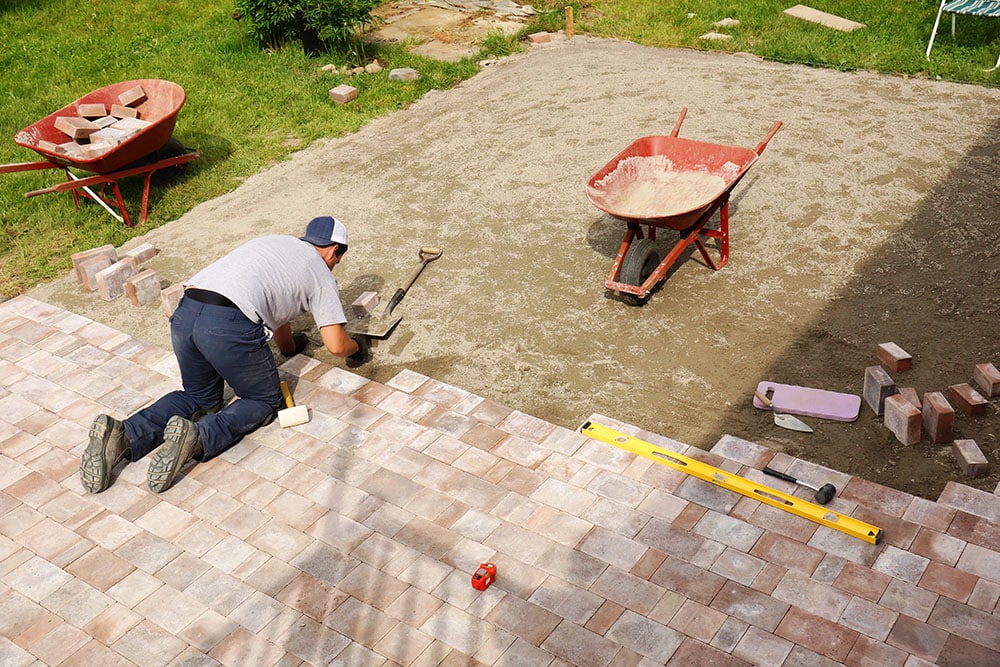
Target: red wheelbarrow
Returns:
[[146, 151], [674, 183]]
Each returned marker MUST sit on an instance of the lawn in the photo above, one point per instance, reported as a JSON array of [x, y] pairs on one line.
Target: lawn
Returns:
[[248, 109]]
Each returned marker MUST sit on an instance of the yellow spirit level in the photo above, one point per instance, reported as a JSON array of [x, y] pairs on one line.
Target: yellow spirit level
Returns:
[[719, 477]]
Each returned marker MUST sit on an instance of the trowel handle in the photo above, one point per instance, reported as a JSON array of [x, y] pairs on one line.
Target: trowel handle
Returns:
[[287, 394], [762, 398]]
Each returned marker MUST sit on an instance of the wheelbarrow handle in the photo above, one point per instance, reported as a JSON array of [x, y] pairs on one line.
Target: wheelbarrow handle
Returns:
[[763, 144], [680, 119], [27, 166]]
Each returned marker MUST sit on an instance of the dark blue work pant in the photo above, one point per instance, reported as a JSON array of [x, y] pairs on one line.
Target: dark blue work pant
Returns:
[[214, 345]]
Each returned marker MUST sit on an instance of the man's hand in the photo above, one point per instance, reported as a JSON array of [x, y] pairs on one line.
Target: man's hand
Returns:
[[363, 355], [300, 340]]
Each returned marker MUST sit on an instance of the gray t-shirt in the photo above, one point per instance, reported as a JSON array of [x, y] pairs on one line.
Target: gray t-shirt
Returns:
[[274, 279]]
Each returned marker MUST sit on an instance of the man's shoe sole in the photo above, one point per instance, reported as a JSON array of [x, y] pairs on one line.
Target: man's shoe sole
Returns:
[[179, 439], [95, 466]]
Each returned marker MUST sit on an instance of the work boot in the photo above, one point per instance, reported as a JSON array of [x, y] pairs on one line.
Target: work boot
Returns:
[[105, 450], [181, 443]]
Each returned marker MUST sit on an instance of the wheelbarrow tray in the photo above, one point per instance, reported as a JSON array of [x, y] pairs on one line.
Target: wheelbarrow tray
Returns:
[[662, 163], [608, 188], [164, 100]]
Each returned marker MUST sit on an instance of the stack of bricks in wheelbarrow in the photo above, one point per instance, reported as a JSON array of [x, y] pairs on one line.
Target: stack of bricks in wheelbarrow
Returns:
[[96, 129], [910, 418]]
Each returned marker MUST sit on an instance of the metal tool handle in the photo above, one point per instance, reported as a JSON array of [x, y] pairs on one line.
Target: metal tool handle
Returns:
[[427, 254], [780, 475]]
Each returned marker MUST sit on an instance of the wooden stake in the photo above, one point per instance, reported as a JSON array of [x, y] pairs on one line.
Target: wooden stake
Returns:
[[569, 22]]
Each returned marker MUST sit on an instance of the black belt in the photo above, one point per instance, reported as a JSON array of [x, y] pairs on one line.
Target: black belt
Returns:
[[211, 298]]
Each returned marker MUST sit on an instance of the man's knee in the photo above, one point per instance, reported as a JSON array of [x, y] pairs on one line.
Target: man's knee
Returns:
[[201, 412]]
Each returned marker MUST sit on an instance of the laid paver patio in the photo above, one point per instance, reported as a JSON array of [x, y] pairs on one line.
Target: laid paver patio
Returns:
[[350, 540]]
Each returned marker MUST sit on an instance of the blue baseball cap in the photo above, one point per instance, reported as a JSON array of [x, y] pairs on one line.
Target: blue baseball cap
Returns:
[[325, 231]]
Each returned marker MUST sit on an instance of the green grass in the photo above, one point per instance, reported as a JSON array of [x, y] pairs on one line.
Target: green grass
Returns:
[[894, 40], [245, 110], [248, 109]]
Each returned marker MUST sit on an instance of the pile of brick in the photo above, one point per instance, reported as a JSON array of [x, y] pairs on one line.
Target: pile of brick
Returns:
[[101, 270], [909, 417], [95, 129]]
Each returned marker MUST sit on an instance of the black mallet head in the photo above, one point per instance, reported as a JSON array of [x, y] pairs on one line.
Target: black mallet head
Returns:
[[825, 493]]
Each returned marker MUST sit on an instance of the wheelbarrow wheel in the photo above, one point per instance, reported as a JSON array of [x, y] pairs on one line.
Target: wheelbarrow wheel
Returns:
[[638, 264]]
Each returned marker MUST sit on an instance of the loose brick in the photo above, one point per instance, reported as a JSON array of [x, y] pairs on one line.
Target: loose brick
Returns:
[[82, 256], [122, 111], [142, 253], [88, 270], [108, 135], [48, 146], [365, 304], [143, 287], [878, 386], [903, 419], [91, 151], [91, 110], [131, 125], [910, 394], [111, 281], [967, 399], [76, 128], [970, 458], [343, 93], [988, 378], [938, 417], [170, 297], [894, 357], [132, 97], [104, 121], [539, 37]]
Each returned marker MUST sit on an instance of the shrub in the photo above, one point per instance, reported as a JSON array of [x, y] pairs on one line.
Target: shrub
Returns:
[[319, 24]]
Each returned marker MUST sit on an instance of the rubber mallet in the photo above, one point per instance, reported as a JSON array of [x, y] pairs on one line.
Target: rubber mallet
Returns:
[[293, 415], [824, 494]]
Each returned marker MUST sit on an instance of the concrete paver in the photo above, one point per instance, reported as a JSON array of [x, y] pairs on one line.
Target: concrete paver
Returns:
[[351, 539]]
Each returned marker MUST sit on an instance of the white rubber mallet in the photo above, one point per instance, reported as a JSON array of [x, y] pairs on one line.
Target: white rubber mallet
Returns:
[[293, 415]]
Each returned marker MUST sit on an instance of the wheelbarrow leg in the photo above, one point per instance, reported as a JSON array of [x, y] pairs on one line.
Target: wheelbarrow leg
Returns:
[[97, 197], [74, 192], [75, 185], [722, 234], [145, 196], [616, 268]]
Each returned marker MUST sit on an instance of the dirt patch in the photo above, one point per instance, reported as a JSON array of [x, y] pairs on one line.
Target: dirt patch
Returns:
[[870, 217], [445, 31]]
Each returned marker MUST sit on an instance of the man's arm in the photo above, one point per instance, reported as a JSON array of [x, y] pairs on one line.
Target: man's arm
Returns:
[[336, 340], [284, 340]]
